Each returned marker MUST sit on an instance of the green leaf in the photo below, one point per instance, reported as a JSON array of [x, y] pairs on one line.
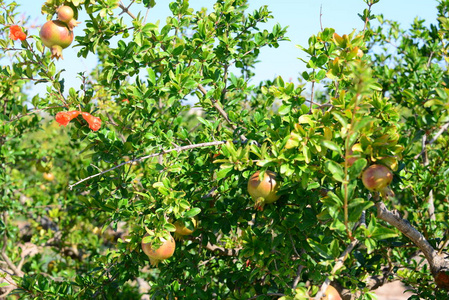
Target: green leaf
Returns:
[[335, 169], [365, 121], [357, 167], [205, 122], [170, 227], [151, 76], [306, 119], [340, 119], [193, 212], [381, 233], [331, 145], [356, 207], [319, 249], [142, 194], [224, 172], [284, 109]]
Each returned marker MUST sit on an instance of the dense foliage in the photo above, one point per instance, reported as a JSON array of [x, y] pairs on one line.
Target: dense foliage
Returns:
[[132, 159]]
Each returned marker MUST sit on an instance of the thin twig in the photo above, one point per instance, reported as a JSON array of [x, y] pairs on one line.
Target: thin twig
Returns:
[[31, 112], [222, 112], [223, 251], [298, 276], [321, 15], [177, 149], [437, 135], [125, 9], [5, 257], [267, 294], [339, 264]]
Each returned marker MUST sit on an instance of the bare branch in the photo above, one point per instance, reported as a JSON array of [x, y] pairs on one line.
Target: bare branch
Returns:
[[321, 16], [177, 149], [339, 264], [438, 264], [440, 132], [393, 218], [298, 276], [125, 9], [222, 112], [5, 257], [267, 294], [223, 251]]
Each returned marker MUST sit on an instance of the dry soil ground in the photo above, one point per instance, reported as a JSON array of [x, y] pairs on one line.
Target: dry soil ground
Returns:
[[392, 291]]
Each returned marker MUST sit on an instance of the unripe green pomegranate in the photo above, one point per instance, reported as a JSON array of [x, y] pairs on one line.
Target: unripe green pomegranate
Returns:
[[56, 36], [66, 15], [183, 230], [263, 191], [377, 178], [164, 251]]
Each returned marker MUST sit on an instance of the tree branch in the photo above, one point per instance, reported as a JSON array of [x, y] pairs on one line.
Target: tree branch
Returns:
[[177, 149], [437, 135], [5, 257], [223, 251], [339, 264], [222, 112], [125, 9], [438, 264]]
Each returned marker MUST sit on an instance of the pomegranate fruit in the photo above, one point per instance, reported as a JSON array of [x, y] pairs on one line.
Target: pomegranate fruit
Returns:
[[182, 229], [352, 157], [377, 178], [331, 294], [66, 14], [160, 253], [56, 36], [43, 165], [263, 191], [49, 176]]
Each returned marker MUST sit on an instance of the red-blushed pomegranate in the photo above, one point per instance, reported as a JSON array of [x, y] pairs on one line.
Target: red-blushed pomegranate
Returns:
[[164, 251], [66, 14], [263, 191], [183, 230], [377, 177], [331, 294], [56, 36], [352, 157]]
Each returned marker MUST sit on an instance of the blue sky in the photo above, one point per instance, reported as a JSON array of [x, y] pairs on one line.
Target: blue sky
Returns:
[[302, 17]]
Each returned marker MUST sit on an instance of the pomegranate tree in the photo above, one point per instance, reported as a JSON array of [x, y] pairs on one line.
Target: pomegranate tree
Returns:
[[56, 36], [161, 252], [263, 191], [66, 15], [377, 178]]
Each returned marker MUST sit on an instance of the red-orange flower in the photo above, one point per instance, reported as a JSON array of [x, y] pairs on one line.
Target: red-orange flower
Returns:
[[64, 117], [94, 122], [16, 33]]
